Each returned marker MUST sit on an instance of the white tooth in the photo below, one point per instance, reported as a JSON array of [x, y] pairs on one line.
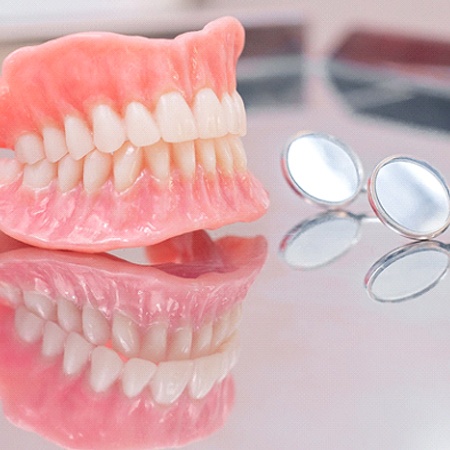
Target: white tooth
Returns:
[[175, 119], [78, 137], [238, 152], [169, 381], [40, 174], [240, 112], [202, 340], [184, 158], [70, 173], [95, 326], [125, 335], [224, 157], [69, 316], [29, 327], [221, 330], [96, 171], [230, 113], [136, 375], [40, 304], [106, 367], [157, 158], [9, 170], [154, 344], [209, 115], [206, 372], [11, 293], [205, 155], [180, 344], [76, 354], [53, 340], [128, 162], [140, 125], [29, 148], [109, 132], [235, 318], [230, 352], [54, 143]]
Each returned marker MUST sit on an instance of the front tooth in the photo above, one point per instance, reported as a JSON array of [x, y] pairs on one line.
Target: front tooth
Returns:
[[76, 354], [95, 326], [109, 132], [78, 137], [11, 293], [97, 168], [125, 335], [157, 157], [230, 113], [53, 340], [202, 340], [238, 153], [127, 166], [136, 375], [69, 316], [240, 112], [154, 344], [70, 173], [205, 155], [54, 143], [206, 372], [170, 380], [209, 115], [181, 344], [221, 330], [106, 367], [29, 327], [40, 174], [40, 304], [9, 170], [140, 125], [175, 119], [224, 156], [29, 148], [184, 158]]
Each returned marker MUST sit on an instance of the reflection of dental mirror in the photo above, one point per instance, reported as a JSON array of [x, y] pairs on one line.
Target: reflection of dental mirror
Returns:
[[319, 241], [322, 169], [410, 196], [407, 272]]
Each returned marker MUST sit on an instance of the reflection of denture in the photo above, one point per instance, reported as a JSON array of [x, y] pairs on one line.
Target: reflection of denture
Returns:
[[142, 346], [126, 132]]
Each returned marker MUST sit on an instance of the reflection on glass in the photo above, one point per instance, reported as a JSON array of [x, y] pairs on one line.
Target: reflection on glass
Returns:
[[407, 272], [322, 169], [97, 352], [318, 241]]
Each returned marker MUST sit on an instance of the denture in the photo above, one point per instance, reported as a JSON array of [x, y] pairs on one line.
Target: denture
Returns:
[[97, 352], [123, 141]]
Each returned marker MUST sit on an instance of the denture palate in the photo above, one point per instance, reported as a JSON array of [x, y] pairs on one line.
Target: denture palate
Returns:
[[162, 358], [119, 146]]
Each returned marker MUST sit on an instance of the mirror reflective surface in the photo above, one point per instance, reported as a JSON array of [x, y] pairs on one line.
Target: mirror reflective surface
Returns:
[[322, 169], [411, 197]]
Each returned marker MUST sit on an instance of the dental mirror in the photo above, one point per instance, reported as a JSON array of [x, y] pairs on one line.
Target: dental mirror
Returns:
[[410, 196], [319, 241], [407, 272], [322, 169]]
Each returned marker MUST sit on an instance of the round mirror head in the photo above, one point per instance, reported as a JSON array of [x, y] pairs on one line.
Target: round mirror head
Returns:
[[321, 240], [322, 169], [410, 196], [407, 272]]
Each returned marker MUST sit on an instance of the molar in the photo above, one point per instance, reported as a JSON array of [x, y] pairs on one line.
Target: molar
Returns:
[[54, 143], [9, 170], [106, 367], [140, 126], [96, 171], [128, 161], [70, 173], [29, 327], [136, 375], [175, 119], [209, 115], [78, 137], [40, 174], [109, 132], [29, 148], [40, 305]]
